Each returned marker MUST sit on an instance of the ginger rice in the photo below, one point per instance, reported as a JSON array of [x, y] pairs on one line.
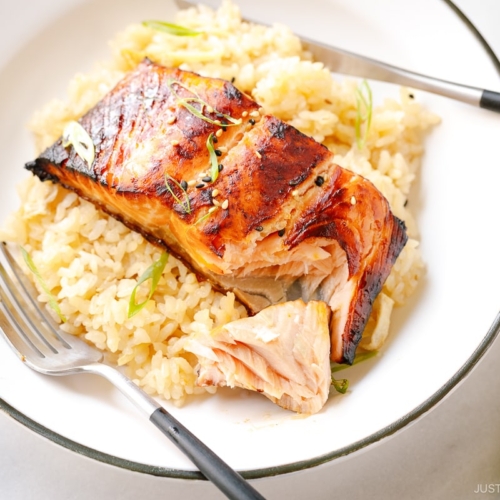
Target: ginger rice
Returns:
[[91, 262]]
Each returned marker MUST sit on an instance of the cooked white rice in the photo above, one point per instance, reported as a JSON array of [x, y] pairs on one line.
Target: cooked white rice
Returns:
[[91, 262]]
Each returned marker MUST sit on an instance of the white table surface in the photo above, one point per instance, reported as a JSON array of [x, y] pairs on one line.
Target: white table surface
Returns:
[[452, 452]]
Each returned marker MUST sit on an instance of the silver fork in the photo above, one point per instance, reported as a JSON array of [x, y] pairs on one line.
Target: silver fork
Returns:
[[38, 341], [349, 63]]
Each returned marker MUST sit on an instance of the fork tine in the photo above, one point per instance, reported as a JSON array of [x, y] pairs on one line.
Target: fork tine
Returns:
[[17, 323], [26, 320], [30, 331], [23, 296], [16, 313], [14, 333]]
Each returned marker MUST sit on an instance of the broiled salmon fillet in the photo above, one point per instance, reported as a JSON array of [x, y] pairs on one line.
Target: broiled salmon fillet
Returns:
[[276, 221]]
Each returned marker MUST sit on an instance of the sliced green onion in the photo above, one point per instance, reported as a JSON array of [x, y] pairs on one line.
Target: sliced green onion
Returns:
[[364, 107], [52, 300], [75, 135], [153, 272], [171, 29], [201, 219], [195, 112], [214, 170], [186, 103], [358, 359], [340, 385], [186, 205], [206, 216]]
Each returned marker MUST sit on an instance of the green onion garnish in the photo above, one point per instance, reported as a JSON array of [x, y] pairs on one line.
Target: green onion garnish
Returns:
[[75, 135], [364, 106], [186, 205], [52, 300], [358, 359], [206, 216], [186, 103], [340, 385], [171, 29], [214, 171], [153, 272]]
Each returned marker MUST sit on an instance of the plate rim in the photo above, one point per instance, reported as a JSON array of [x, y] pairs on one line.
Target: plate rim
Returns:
[[399, 424]]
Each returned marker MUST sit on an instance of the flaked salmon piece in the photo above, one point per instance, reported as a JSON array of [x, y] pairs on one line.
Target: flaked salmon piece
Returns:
[[282, 352], [280, 222]]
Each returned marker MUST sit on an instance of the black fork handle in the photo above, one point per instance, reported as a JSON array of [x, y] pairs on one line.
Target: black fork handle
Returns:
[[232, 484], [490, 100]]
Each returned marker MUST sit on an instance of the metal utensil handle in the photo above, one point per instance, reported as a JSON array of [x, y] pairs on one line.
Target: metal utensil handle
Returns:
[[232, 484], [343, 61]]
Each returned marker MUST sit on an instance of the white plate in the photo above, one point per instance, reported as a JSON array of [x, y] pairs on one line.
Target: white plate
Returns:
[[435, 339]]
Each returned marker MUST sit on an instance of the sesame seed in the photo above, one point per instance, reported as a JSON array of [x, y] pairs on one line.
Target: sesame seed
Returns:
[[295, 193], [211, 210], [221, 166], [207, 179], [255, 114], [218, 152], [184, 185], [218, 133], [215, 140], [411, 96], [258, 155], [244, 114], [218, 122], [171, 120], [353, 200], [174, 142], [225, 204], [319, 180], [259, 228], [281, 232], [210, 109], [216, 202], [233, 79], [251, 121], [223, 149], [199, 186], [215, 192], [191, 183]]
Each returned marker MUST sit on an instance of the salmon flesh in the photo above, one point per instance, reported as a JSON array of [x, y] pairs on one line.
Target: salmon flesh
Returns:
[[276, 221], [281, 352]]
